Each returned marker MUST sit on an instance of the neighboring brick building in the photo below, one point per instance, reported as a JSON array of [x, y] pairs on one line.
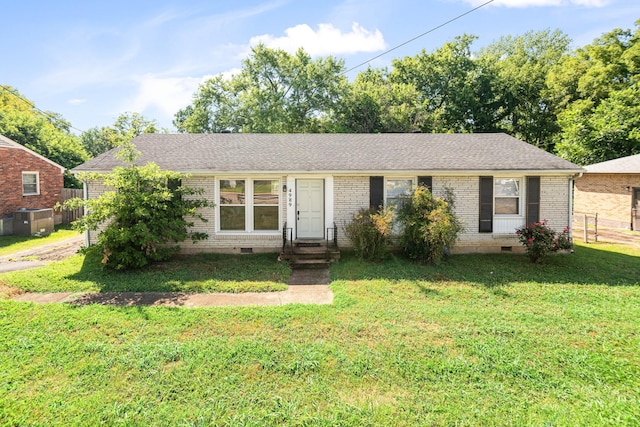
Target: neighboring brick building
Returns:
[[27, 180], [612, 190]]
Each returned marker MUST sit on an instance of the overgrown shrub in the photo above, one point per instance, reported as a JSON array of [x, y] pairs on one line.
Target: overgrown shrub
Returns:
[[429, 226], [539, 240], [369, 232], [144, 217]]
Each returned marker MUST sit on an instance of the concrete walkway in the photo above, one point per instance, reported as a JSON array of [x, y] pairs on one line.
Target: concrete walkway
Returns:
[[297, 294]]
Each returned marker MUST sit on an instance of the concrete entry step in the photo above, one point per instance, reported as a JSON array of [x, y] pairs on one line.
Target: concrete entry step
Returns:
[[317, 276]]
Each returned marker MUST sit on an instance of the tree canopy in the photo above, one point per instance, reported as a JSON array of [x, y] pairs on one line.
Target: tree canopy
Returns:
[[275, 92], [126, 127], [45, 133]]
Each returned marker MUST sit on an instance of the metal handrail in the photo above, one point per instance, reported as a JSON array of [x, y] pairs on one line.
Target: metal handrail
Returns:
[[287, 239], [331, 235]]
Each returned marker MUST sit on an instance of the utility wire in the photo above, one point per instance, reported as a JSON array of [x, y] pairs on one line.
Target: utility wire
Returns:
[[418, 36], [49, 115]]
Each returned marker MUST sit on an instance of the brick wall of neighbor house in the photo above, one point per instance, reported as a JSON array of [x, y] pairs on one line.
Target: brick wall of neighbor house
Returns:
[[350, 193], [607, 195], [14, 162]]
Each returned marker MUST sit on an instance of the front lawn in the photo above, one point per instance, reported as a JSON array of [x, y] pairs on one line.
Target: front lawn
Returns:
[[479, 340], [197, 273]]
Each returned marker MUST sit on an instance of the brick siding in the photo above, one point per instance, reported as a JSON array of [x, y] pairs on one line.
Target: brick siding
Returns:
[[14, 161], [606, 195], [351, 193]]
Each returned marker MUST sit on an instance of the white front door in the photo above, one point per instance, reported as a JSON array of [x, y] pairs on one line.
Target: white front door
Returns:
[[310, 208]]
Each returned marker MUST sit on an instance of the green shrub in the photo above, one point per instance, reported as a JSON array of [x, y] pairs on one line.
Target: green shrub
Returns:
[[429, 226], [539, 240], [144, 217], [369, 232]]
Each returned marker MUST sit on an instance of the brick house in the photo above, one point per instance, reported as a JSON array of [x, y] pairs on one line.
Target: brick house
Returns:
[[28, 179], [273, 187], [612, 190]]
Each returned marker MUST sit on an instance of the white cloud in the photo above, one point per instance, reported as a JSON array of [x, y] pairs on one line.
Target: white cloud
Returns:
[[164, 94], [326, 40], [539, 3]]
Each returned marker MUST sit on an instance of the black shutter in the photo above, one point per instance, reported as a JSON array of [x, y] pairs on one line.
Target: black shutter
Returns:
[[533, 199], [426, 181], [376, 192], [486, 204]]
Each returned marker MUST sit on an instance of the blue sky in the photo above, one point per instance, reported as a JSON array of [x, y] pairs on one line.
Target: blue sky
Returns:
[[92, 60]]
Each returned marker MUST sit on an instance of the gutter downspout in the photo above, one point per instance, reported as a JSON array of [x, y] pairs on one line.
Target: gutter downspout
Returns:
[[570, 219]]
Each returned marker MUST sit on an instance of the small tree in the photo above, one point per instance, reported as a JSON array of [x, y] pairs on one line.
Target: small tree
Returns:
[[369, 232], [144, 216], [429, 226]]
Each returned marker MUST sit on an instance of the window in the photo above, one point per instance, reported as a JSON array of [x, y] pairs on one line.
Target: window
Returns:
[[232, 204], [506, 192], [397, 190], [266, 204], [30, 183], [249, 205]]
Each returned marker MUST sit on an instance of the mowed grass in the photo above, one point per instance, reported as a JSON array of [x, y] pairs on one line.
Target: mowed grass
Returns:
[[478, 340], [196, 273], [13, 244]]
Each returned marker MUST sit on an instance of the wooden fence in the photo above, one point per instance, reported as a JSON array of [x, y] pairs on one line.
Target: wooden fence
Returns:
[[68, 215]]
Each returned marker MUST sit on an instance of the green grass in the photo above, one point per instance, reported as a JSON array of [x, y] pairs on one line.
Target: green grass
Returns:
[[198, 273], [478, 340], [14, 244]]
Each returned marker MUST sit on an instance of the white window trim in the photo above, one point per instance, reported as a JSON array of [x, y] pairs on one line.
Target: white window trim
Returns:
[[413, 179], [37, 174], [522, 190], [248, 219]]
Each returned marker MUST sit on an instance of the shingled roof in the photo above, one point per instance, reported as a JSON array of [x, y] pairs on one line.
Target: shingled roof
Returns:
[[629, 164], [10, 143], [335, 153]]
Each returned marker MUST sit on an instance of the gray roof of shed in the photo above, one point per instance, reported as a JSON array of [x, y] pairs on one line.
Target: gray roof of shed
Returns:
[[347, 153], [629, 164]]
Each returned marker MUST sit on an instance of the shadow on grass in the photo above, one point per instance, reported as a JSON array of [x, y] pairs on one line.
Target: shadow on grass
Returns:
[[588, 265], [124, 299], [195, 273]]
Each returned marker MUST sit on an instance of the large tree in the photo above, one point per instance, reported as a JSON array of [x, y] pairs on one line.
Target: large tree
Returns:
[[126, 127], [375, 104], [274, 92], [520, 66], [597, 86], [46, 133], [452, 89]]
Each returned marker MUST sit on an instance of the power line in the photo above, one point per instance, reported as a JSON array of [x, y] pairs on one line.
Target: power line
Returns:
[[418, 36], [49, 115]]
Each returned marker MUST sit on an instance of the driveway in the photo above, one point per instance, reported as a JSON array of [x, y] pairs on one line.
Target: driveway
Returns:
[[41, 255]]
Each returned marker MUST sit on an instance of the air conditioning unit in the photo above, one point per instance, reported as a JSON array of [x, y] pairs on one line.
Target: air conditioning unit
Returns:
[[28, 222]]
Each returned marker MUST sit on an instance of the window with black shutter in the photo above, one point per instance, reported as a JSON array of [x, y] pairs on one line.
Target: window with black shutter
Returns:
[[376, 192], [533, 199], [486, 205], [427, 181]]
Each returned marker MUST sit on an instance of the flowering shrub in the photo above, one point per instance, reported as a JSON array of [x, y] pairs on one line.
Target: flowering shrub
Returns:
[[540, 240]]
